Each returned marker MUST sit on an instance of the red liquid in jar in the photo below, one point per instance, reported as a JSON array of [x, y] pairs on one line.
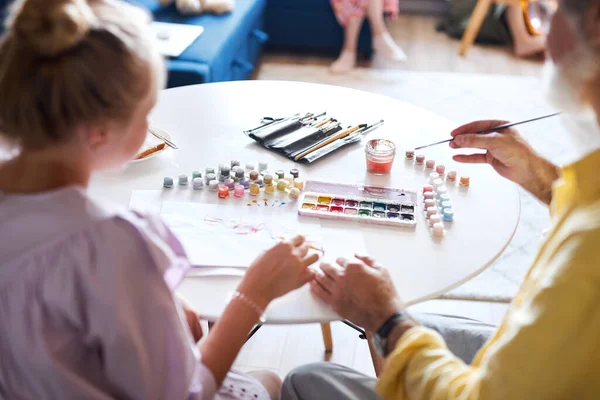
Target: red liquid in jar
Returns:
[[376, 167]]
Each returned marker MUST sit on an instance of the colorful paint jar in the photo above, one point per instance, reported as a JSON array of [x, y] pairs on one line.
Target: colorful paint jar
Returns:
[[364, 213], [393, 208], [446, 205], [223, 192], [299, 184], [427, 188], [168, 182], [282, 185], [379, 206], [429, 203], [407, 208], [410, 154], [428, 195], [440, 169], [213, 185], [443, 197], [254, 189], [245, 183], [465, 181], [196, 174], [431, 211], [209, 170], [429, 164], [260, 182], [336, 209], [225, 173], [268, 179], [254, 175], [420, 159], [434, 219], [211, 176], [337, 202], [438, 230], [451, 177], [366, 204], [352, 203], [238, 191], [263, 166], [436, 184], [351, 211], [269, 188], [295, 173], [294, 193], [197, 183], [183, 180], [280, 174], [322, 207], [235, 163], [249, 167], [393, 215], [229, 183], [309, 206], [380, 155], [240, 174], [441, 191], [448, 215], [324, 200], [433, 176], [407, 217], [379, 214]]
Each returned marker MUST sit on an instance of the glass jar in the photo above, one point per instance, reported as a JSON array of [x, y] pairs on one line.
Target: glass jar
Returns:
[[380, 155]]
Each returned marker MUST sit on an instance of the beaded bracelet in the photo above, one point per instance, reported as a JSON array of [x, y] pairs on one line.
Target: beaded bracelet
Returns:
[[244, 299]]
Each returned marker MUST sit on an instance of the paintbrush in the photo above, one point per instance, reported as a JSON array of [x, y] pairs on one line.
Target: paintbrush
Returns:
[[494, 129], [270, 122], [334, 137]]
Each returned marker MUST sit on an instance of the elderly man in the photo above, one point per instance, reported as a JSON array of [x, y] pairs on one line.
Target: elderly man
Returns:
[[548, 345]]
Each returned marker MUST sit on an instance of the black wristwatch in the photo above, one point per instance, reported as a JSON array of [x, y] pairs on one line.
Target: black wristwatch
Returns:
[[380, 339]]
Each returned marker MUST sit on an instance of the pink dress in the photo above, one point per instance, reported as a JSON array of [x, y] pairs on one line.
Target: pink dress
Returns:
[[347, 9], [87, 309]]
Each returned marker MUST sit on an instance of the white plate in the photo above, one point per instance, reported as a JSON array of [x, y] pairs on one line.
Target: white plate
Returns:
[[152, 141]]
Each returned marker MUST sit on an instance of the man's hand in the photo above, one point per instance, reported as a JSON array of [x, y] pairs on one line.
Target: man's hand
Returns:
[[358, 290], [509, 154]]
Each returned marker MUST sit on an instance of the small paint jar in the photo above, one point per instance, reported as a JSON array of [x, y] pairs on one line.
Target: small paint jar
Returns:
[[168, 182], [260, 182], [229, 183], [196, 174], [269, 188], [249, 167], [427, 188], [429, 203], [429, 164], [299, 184], [221, 166], [210, 177], [264, 172], [420, 159], [451, 177], [441, 190], [263, 166], [290, 179], [254, 189], [282, 185], [254, 175], [225, 173], [294, 193], [433, 176], [213, 185], [438, 229], [238, 191], [280, 174], [268, 179], [235, 163], [295, 173], [446, 205], [197, 183], [440, 169], [209, 170], [245, 183], [465, 181], [431, 211], [380, 155], [434, 219], [428, 195], [240, 174], [443, 197], [223, 192], [448, 215], [436, 184], [410, 154], [183, 180]]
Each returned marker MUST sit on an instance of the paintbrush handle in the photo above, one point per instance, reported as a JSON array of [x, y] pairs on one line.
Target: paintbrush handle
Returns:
[[333, 138]]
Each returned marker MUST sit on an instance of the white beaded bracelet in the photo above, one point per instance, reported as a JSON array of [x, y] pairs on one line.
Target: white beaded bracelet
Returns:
[[244, 299]]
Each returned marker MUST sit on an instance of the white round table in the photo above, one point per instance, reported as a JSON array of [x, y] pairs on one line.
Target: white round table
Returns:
[[206, 122]]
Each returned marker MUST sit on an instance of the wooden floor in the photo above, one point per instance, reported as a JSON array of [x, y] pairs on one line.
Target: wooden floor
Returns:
[[282, 348]]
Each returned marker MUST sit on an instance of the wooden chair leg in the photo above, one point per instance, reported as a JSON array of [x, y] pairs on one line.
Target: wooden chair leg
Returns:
[[376, 358], [475, 22], [327, 338]]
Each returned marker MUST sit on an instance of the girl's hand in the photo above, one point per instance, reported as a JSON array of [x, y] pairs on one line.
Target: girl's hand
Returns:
[[279, 270], [193, 319], [509, 154]]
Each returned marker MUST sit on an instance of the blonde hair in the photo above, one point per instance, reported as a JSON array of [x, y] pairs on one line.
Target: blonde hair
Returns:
[[68, 62]]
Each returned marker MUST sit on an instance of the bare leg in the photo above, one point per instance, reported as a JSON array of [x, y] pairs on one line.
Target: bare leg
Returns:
[[347, 59], [270, 380], [525, 44], [382, 40]]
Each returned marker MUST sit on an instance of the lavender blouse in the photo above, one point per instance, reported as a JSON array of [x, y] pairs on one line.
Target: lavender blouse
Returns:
[[87, 309]]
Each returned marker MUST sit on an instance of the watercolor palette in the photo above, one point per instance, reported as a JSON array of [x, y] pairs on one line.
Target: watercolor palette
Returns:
[[369, 204]]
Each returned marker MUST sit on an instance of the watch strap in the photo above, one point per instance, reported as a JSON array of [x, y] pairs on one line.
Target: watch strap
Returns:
[[389, 324]]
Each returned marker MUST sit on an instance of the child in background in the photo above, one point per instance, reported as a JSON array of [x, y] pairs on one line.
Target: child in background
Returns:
[[87, 304], [350, 14]]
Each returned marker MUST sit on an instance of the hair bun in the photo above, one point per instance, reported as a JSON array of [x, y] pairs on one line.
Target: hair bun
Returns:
[[51, 27]]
